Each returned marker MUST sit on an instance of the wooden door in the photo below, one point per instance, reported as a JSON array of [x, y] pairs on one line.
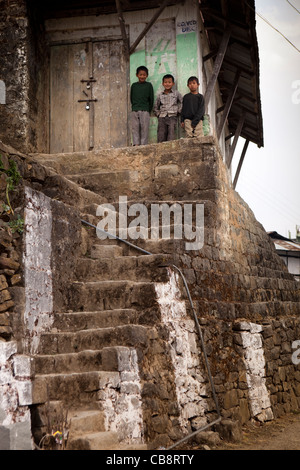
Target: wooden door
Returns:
[[88, 96]]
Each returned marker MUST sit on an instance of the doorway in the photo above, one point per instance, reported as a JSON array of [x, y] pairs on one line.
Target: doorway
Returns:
[[88, 96]]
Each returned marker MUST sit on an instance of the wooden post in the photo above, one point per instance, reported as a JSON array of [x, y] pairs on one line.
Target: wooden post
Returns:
[[91, 103], [217, 66], [228, 104], [236, 137], [122, 26], [240, 164], [148, 26]]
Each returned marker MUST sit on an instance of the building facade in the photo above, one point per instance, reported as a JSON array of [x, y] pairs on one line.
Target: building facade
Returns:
[[67, 69]]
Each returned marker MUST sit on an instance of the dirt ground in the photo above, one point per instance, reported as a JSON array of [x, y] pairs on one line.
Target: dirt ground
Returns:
[[280, 434]]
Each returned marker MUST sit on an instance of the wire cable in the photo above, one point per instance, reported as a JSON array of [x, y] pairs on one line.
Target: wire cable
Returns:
[[293, 7], [275, 29]]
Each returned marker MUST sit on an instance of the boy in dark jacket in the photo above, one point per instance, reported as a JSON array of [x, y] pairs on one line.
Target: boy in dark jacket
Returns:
[[142, 99], [193, 109]]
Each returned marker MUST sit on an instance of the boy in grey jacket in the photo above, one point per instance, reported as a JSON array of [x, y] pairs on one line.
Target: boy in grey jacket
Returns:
[[167, 107]]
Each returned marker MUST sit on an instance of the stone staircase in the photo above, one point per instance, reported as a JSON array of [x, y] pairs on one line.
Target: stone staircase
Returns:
[[82, 356], [100, 358], [112, 308], [83, 361]]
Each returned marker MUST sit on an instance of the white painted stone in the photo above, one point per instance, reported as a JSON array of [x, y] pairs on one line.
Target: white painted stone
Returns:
[[38, 315], [6, 376], [251, 340], [7, 349], [255, 328], [24, 390], [182, 341], [22, 366], [254, 359], [2, 92], [120, 397]]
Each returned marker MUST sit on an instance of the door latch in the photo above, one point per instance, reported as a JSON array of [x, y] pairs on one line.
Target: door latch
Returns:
[[87, 106]]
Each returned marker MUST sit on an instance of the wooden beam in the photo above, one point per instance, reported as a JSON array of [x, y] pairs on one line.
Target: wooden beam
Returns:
[[236, 138], [228, 104], [123, 29], [240, 164], [210, 55], [217, 66], [148, 26]]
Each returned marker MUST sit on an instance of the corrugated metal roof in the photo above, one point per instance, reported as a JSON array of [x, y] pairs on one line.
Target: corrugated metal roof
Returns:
[[287, 246], [242, 53], [283, 243]]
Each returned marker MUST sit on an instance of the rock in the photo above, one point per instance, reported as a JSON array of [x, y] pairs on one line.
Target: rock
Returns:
[[8, 263], [209, 438], [229, 430]]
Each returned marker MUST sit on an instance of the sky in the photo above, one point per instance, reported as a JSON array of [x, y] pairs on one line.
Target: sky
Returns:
[[269, 181]]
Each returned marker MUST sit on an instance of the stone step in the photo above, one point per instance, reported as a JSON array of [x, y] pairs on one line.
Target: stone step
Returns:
[[106, 359], [136, 268], [93, 339], [75, 321], [164, 183], [120, 182], [61, 188], [144, 247], [102, 441], [106, 440], [110, 295], [167, 153], [68, 363], [85, 421], [106, 251], [71, 389]]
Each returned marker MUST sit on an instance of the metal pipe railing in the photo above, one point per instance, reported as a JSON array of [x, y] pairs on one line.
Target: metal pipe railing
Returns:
[[208, 425]]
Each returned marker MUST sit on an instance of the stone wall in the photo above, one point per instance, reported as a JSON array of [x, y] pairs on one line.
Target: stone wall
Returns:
[[34, 258], [245, 298], [14, 73], [246, 302], [24, 63]]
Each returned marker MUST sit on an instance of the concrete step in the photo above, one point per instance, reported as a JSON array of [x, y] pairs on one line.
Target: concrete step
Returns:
[[110, 295], [133, 268], [75, 321], [93, 339]]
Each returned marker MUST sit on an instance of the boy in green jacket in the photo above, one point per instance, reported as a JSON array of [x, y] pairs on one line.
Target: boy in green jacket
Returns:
[[142, 100]]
